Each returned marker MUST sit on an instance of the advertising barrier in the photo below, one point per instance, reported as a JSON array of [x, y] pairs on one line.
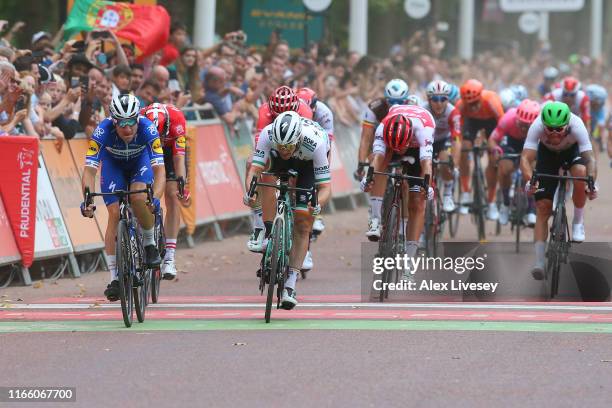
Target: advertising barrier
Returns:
[[9, 252], [341, 184], [51, 235], [66, 181], [18, 178], [78, 149], [217, 178], [241, 145]]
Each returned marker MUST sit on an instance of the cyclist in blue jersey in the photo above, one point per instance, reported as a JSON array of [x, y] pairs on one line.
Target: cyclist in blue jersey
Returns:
[[598, 96], [129, 148]]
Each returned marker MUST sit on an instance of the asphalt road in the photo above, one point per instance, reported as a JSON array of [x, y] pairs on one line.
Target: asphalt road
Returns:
[[205, 344]]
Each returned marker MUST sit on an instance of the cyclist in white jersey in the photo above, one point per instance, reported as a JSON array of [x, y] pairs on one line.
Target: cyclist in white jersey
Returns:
[[293, 142], [557, 138]]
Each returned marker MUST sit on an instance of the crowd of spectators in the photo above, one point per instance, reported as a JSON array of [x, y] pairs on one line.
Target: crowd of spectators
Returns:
[[54, 89]]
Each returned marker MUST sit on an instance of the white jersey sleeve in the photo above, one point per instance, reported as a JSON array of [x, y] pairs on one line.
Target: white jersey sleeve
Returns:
[[579, 132], [324, 117], [424, 135], [379, 146], [320, 163], [262, 150], [369, 118], [533, 134]]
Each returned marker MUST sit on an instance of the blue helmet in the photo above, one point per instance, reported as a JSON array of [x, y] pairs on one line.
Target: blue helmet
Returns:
[[396, 92], [453, 95], [597, 93]]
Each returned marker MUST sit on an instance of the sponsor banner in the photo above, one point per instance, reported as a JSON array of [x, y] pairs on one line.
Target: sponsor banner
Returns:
[[340, 182], [66, 181], [8, 250], [51, 234], [347, 140], [78, 149], [217, 177], [18, 176]]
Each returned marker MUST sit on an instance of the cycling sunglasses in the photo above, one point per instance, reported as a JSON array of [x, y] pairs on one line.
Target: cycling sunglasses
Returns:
[[126, 122], [286, 148], [392, 101], [558, 129], [438, 98], [568, 94]]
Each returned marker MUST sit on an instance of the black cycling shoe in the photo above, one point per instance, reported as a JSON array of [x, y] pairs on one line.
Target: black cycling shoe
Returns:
[[112, 291], [151, 257]]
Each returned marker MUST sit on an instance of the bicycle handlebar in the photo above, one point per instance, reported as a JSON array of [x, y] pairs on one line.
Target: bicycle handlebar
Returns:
[[423, 180], [588, 179], [89, 196], [180, 181], [314, 200]]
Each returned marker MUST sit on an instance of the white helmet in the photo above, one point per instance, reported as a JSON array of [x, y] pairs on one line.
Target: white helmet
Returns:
[[438, 88], [551, 73], [124, 106], [287, 129], [413, 100], [396, 91]]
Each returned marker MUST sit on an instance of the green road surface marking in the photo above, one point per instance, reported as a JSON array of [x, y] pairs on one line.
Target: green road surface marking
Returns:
[[204, 325]]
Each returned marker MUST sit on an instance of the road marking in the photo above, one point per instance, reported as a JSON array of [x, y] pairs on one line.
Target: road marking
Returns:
[[486, 306], [302, 324]]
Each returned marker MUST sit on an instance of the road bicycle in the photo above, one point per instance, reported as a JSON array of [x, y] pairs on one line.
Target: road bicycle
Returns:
[[274, 265], [479, 201], [392, 239], [133, 275], [559, 242], [435, 217]]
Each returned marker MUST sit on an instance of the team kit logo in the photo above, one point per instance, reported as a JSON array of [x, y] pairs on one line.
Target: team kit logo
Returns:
[[157, 147], [181, 142], [93, 148]]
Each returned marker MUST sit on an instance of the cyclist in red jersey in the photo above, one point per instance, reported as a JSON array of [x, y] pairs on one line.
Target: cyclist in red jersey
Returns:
[[171, 125], [282, 100], [480, 111]]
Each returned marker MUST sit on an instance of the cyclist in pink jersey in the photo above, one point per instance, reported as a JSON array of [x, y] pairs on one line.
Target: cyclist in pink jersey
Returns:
[[508, 138]]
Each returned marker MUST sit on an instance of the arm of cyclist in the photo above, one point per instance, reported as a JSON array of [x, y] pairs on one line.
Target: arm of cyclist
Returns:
[[88, 182], [322, 176], [365, 145], [258, 164]]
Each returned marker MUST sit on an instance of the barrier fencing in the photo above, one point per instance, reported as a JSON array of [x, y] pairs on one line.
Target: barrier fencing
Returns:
[[216, 160]]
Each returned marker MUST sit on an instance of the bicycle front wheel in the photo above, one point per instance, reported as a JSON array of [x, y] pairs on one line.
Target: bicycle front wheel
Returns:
[[389, 246], [125, 265], [276, 262]]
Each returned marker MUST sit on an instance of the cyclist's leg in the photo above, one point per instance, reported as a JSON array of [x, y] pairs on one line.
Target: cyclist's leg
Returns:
[[111, 179], [465, 171], [548, 163], [578, 169], [446, 174], [376, 201], [491, 173], [505, 168], [416, 205], [173, 215]]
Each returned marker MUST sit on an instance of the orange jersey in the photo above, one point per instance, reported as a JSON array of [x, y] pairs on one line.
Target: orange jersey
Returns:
[[490, 107]]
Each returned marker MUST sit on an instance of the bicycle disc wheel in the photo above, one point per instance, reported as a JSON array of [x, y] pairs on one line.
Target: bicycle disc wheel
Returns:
[[275, 263], [125, 263]]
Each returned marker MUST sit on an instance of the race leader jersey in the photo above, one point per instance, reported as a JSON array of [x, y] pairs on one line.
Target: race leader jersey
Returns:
[[106, 143], [507, 126], [580, 107], [314, 147], [577, 133], [423, 127], [448, 124], [324, 117], [175, 137]]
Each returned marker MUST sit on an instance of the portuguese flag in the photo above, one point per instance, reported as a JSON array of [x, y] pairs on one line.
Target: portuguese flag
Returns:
[[146, 26]]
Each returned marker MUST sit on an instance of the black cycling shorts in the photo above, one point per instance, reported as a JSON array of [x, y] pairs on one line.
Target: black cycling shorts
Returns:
[[549, 162], [413, 164], [471, 127], [305, 178], [440, 145]]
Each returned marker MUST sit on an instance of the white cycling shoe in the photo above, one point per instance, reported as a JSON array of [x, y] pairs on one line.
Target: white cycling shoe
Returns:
[[288, 301], [504, 214], [448, 205], [529, 219], [168, 269], [318, 226], [466, 200], [373, 232], [578, 233], [257, 242], [307, 264], [492, 212]]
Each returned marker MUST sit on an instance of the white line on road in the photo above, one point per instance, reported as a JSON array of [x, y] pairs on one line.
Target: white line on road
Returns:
[[459, 306]]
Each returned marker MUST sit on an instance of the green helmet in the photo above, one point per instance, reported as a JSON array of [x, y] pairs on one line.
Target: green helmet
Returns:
[[556, 114]]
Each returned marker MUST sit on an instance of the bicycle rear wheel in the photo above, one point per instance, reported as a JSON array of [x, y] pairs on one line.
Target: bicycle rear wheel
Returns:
[[125, 265], [140, 291], [160, 238], [519, 202], [479, 203], [453, 217], [275, 263]]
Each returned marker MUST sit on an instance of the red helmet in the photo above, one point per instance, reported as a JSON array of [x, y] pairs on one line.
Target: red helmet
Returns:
[[283, 99], [308, 96], [158, 114], [570, 85], [471, 90], [528, 111], [397, 132]]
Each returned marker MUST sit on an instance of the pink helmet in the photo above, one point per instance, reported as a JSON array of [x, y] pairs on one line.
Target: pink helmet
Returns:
[[528, 111]]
